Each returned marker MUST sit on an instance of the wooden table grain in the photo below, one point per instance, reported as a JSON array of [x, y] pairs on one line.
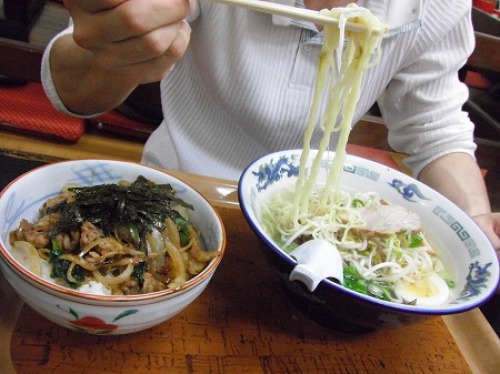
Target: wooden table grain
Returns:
[[243, 322]]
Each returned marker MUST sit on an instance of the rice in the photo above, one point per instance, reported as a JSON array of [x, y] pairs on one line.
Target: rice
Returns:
[[92, 287]]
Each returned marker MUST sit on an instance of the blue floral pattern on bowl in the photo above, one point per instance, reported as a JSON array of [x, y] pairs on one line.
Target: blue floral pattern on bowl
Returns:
[[408, 191], [272, 172], [85, 174], [287, 166], [477, 280]]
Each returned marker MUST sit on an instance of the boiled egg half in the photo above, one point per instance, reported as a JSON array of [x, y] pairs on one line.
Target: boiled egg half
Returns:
[[432, 291]]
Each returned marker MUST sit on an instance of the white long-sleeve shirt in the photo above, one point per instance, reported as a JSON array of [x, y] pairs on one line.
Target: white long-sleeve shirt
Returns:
[[244, 86]]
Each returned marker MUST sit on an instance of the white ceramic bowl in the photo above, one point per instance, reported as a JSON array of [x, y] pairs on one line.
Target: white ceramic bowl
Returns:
[[93, 313], [466, 251]]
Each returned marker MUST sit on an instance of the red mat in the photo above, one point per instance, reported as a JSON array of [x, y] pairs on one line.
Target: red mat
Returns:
[[26, 109]]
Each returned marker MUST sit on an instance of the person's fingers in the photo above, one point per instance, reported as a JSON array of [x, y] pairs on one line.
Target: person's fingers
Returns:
[[490, 224], [92, 6], [131, 19], [158, 68], [172, 39], [131, 58]]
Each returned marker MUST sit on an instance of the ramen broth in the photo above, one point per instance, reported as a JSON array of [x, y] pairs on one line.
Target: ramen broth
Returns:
[[397, 266]]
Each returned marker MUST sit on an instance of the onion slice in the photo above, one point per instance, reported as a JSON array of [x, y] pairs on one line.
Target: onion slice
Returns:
[[27, 255], [110, 280]]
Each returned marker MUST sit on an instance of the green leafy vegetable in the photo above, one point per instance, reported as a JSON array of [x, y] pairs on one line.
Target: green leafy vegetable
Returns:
[[182, 224], [138, 273], [354, 281], [416, 241], [451, 283], [60, 267], [357, 203]]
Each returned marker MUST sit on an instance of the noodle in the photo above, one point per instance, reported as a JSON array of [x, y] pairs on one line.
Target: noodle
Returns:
[[344, 82], [379, 264]]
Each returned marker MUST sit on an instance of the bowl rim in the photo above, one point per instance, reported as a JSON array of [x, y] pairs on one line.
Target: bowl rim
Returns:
[[412, 309], [66, 292]]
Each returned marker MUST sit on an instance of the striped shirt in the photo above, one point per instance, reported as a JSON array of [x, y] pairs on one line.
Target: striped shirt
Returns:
[[244, 87]]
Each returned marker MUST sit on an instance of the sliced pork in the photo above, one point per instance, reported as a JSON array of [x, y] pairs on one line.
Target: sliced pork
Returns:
[[389, 219]]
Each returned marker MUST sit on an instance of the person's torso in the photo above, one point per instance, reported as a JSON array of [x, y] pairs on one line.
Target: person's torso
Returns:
[[245, 86]]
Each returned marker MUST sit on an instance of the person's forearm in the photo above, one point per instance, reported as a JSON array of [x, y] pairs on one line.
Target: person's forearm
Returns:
[[82, 85], [458, 177]]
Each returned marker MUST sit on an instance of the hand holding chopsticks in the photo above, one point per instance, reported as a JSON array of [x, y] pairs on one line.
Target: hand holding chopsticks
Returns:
[[295, 13]]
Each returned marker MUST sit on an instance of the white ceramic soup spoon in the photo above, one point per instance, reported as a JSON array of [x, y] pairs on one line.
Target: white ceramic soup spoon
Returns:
[[317, 259]]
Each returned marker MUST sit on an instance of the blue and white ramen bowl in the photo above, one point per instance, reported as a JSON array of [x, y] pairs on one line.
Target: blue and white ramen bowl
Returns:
[[464, 249]]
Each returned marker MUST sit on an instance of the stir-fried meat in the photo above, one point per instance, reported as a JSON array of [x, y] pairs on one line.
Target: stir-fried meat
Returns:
[[82, 241], [54, 201], [89, 233], [130, 287], [197, 252], [195, 267], [35, 233], [68, 242], [389, 219], [113, 248], [151, 284]]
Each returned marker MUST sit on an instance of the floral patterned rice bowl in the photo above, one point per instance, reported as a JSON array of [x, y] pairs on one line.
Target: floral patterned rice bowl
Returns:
[[95, 313]]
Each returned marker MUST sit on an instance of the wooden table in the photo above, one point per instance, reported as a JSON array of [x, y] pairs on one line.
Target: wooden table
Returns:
[[89, 146], [245, 323], [242, 323]]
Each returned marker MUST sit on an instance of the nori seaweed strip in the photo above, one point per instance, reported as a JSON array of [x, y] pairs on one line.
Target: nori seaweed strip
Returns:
[[108, 206]]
